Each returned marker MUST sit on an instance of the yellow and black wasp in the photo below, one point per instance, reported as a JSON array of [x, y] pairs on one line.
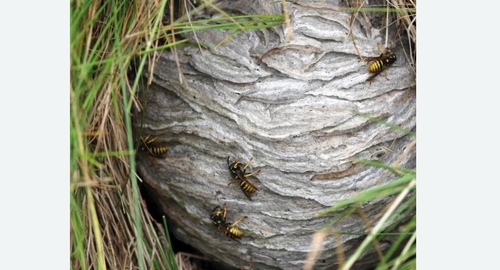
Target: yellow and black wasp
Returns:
[[380, 63], [154, 148], [238, 172], [218, 217]]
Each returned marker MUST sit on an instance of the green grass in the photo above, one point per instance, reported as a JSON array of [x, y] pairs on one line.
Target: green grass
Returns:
[[109, 226], [396, 220], [101, 136]]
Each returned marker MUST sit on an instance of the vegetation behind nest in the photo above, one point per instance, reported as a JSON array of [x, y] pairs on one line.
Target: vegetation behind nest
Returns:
[[110, 225]]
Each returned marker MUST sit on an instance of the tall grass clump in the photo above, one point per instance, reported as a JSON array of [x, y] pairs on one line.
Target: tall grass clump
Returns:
[[111, 42], [110, 227]]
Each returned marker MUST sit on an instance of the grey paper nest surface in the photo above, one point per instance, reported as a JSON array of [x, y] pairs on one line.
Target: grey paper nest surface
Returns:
[[297, 109]]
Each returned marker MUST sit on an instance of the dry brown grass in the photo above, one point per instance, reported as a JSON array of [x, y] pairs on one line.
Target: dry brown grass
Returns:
[[406, 21], [107, 206], [110, 225]]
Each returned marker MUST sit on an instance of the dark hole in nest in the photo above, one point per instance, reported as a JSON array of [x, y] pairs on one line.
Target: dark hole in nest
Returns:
[[177, 245]]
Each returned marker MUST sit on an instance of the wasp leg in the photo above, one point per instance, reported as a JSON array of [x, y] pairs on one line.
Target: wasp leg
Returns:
[[252, 173], [238, 221], [147, 140], [373, 77]]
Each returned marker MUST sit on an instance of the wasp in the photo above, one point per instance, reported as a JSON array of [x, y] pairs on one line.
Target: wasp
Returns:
[[218, 217], [380, 63], [155, 149], [238, 172]]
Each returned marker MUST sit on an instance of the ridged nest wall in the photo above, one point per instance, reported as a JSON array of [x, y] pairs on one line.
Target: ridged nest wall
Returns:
[[298, 108]]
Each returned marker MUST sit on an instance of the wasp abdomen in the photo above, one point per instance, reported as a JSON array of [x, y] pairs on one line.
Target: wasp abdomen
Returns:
[[233, 232], [248, 187], [381, 64], [158, 150], [154, 148]]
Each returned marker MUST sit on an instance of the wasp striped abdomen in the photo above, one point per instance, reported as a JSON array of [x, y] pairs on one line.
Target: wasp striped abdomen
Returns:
[[381, 63], [155, 149], [233, 232], [248, 188]]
